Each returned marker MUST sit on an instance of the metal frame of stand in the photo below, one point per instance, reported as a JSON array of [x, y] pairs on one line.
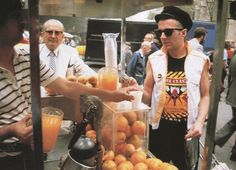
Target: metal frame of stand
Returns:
[[222, 8]]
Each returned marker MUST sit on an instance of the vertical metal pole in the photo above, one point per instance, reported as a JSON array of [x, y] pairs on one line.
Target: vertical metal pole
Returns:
[[222, 6], [122, 36], [35, 83], [122, 45]]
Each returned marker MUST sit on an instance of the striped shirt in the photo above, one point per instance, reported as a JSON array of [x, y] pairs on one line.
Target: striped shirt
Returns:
[[15, 91]]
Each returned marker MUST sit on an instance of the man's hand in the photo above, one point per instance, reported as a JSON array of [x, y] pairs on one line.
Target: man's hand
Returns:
[[117, 96], [195, 131], [50, 92], [23, 131], [126, 81]]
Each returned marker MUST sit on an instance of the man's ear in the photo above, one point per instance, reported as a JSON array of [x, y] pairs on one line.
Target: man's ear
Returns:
[[184, 32], [42, 34]]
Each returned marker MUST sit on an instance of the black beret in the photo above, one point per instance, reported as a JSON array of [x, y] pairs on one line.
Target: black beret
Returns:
[[175, 13]]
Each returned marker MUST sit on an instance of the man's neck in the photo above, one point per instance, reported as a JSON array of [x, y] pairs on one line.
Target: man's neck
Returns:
[[179, 52]]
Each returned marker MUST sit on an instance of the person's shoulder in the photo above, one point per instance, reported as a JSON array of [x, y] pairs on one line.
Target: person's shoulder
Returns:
[[22, 49], [157, 53], [198, 54], [67, 47]]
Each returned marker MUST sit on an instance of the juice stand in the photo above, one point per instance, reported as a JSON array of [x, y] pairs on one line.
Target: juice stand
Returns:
[[120, 9]]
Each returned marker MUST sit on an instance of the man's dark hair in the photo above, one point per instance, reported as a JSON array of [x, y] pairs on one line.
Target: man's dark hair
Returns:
[[200, 31], [8, 8]]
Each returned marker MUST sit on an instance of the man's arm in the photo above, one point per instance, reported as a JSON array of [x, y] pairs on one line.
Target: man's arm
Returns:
[[73, 90], [196, 129], [148, 85]]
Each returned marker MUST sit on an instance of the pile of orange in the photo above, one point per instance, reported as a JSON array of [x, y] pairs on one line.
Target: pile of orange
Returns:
[[133, 129], [90, 81], [137, 161], [128, 154]]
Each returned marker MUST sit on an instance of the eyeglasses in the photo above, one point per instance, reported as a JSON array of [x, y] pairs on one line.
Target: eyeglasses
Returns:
[[51, 32], [168, 32]]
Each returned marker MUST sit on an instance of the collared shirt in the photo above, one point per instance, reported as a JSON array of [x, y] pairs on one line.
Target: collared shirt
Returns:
[[68, 61], [45, 52], [195, 45], [15, 90]]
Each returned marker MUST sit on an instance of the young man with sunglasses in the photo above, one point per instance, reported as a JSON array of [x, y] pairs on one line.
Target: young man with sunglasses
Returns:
[[177, 89], [67, 60], [15, 89]]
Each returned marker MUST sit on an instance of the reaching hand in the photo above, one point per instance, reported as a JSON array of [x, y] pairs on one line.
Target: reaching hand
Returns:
[[126, 81], [117, 96]]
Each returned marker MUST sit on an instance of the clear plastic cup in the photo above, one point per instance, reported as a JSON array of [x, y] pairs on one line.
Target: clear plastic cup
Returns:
[[51, 124], [137, 98]]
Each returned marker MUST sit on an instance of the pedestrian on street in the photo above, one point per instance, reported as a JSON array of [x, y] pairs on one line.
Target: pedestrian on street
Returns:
[[223, 135], [198, 39], [177, 89], [137, 65]]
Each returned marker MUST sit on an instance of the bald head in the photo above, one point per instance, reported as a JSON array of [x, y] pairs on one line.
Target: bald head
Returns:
[[53, 33], [53, 22]]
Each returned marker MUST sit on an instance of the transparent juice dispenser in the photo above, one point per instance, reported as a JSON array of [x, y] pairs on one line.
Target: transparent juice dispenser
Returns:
[[124, 128]]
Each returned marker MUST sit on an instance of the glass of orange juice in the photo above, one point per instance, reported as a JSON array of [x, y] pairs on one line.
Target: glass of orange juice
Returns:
[[108, 78], [51, 124]]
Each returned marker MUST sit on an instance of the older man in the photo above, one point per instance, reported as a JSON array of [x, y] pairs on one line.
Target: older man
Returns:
[[177, 89], [62, 58]]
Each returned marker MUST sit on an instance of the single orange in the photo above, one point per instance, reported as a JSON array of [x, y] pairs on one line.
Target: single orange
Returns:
[[91, 134], [134, 140], [121, 123], [140, 166], [129, 150], [109, 165], [82, 79], [131, 117], [119, 159], [138, 127], [71, 78], [109, 155], [120, 137], [153, 163], [126, 165], [167, 166], [128, 131], [138, 156], [120, 148]]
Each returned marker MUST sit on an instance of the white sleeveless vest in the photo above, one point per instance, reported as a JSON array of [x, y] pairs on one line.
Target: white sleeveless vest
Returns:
[[193, 67]]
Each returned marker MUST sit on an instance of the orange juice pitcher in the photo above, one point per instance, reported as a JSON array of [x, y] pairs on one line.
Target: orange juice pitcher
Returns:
[[51, 124], [108, 78]]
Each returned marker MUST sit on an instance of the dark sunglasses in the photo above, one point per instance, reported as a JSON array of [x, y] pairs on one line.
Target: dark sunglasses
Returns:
[[50, 32], [168, 32]]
